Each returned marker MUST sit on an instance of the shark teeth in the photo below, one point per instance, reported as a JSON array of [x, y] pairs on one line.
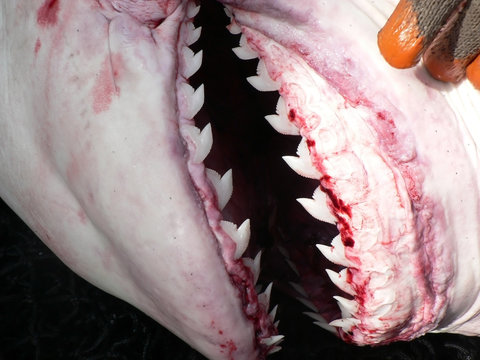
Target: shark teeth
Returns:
[[201, 140], [273, 313], [346, 324], [281, 122], [193, 33], [340, 280], [192, 10], [264, 298], [191, 61], [347, 307], [336, 252], [317, 207], [302, 164], [223, 186], [272, 340], [240, 235], [254, 266], [243, 51], [263, 82], [193, 100]]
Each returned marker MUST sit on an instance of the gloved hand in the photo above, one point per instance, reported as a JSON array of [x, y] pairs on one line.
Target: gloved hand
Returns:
[[445, 32]]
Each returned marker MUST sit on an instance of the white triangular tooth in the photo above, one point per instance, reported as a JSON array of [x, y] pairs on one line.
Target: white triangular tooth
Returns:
[[263, 82], [323, 210], [202, 141], [340, 280], [292, 266], [264, 298], [274, 350], [234, 28], [302, 149], [348, 307], [228, 11], [318, 210], [254, 265], [276, 324], [299, 288], [272, 340], [282, 125], [335, 253], [240, 235], [194, 99], [193, 34], [345, 324], [273, 313], [245, 53], [327, 327], [307, 303], [281, 108], [192, 10], [192, 61], [302, 167], [223, 186]]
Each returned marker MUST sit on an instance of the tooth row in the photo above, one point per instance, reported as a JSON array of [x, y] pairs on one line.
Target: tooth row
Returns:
[[336, 252], [263, 82], [193, 100], [317, 207], [340, 280], [280, 122], [243, 51], [191, 61], [223, 186], [254, 265], [201, 140], [240, 235]]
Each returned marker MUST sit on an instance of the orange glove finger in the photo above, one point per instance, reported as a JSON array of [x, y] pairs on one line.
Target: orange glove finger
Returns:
[[456, 46], [411, 29], [473, 73]]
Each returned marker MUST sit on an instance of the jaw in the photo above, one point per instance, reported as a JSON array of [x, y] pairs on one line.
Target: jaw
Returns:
[[103, 132]]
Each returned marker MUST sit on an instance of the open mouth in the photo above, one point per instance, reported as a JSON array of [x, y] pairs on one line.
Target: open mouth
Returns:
[[374, 246]]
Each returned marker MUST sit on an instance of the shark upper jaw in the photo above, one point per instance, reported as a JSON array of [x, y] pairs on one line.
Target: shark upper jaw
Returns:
[[115, 154]]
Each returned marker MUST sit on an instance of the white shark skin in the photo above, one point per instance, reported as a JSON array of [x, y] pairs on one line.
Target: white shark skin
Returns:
[[104, 182]]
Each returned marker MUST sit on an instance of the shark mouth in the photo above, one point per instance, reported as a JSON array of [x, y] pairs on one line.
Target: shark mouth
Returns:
[[108, 158]]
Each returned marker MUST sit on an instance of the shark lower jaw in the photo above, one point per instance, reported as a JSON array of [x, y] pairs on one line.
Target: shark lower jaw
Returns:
[[145, 191]]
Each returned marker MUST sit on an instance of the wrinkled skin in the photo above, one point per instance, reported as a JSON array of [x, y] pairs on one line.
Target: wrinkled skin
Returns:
[[90, 126]]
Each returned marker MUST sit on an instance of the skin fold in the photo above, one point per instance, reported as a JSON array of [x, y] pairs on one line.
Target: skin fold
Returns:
[[100, 159]]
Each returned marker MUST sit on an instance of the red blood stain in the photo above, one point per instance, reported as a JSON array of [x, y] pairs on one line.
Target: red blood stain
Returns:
[[310, 143], [38, 45], [292, 115], [230, 347], [47, 15], [105, 88]]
